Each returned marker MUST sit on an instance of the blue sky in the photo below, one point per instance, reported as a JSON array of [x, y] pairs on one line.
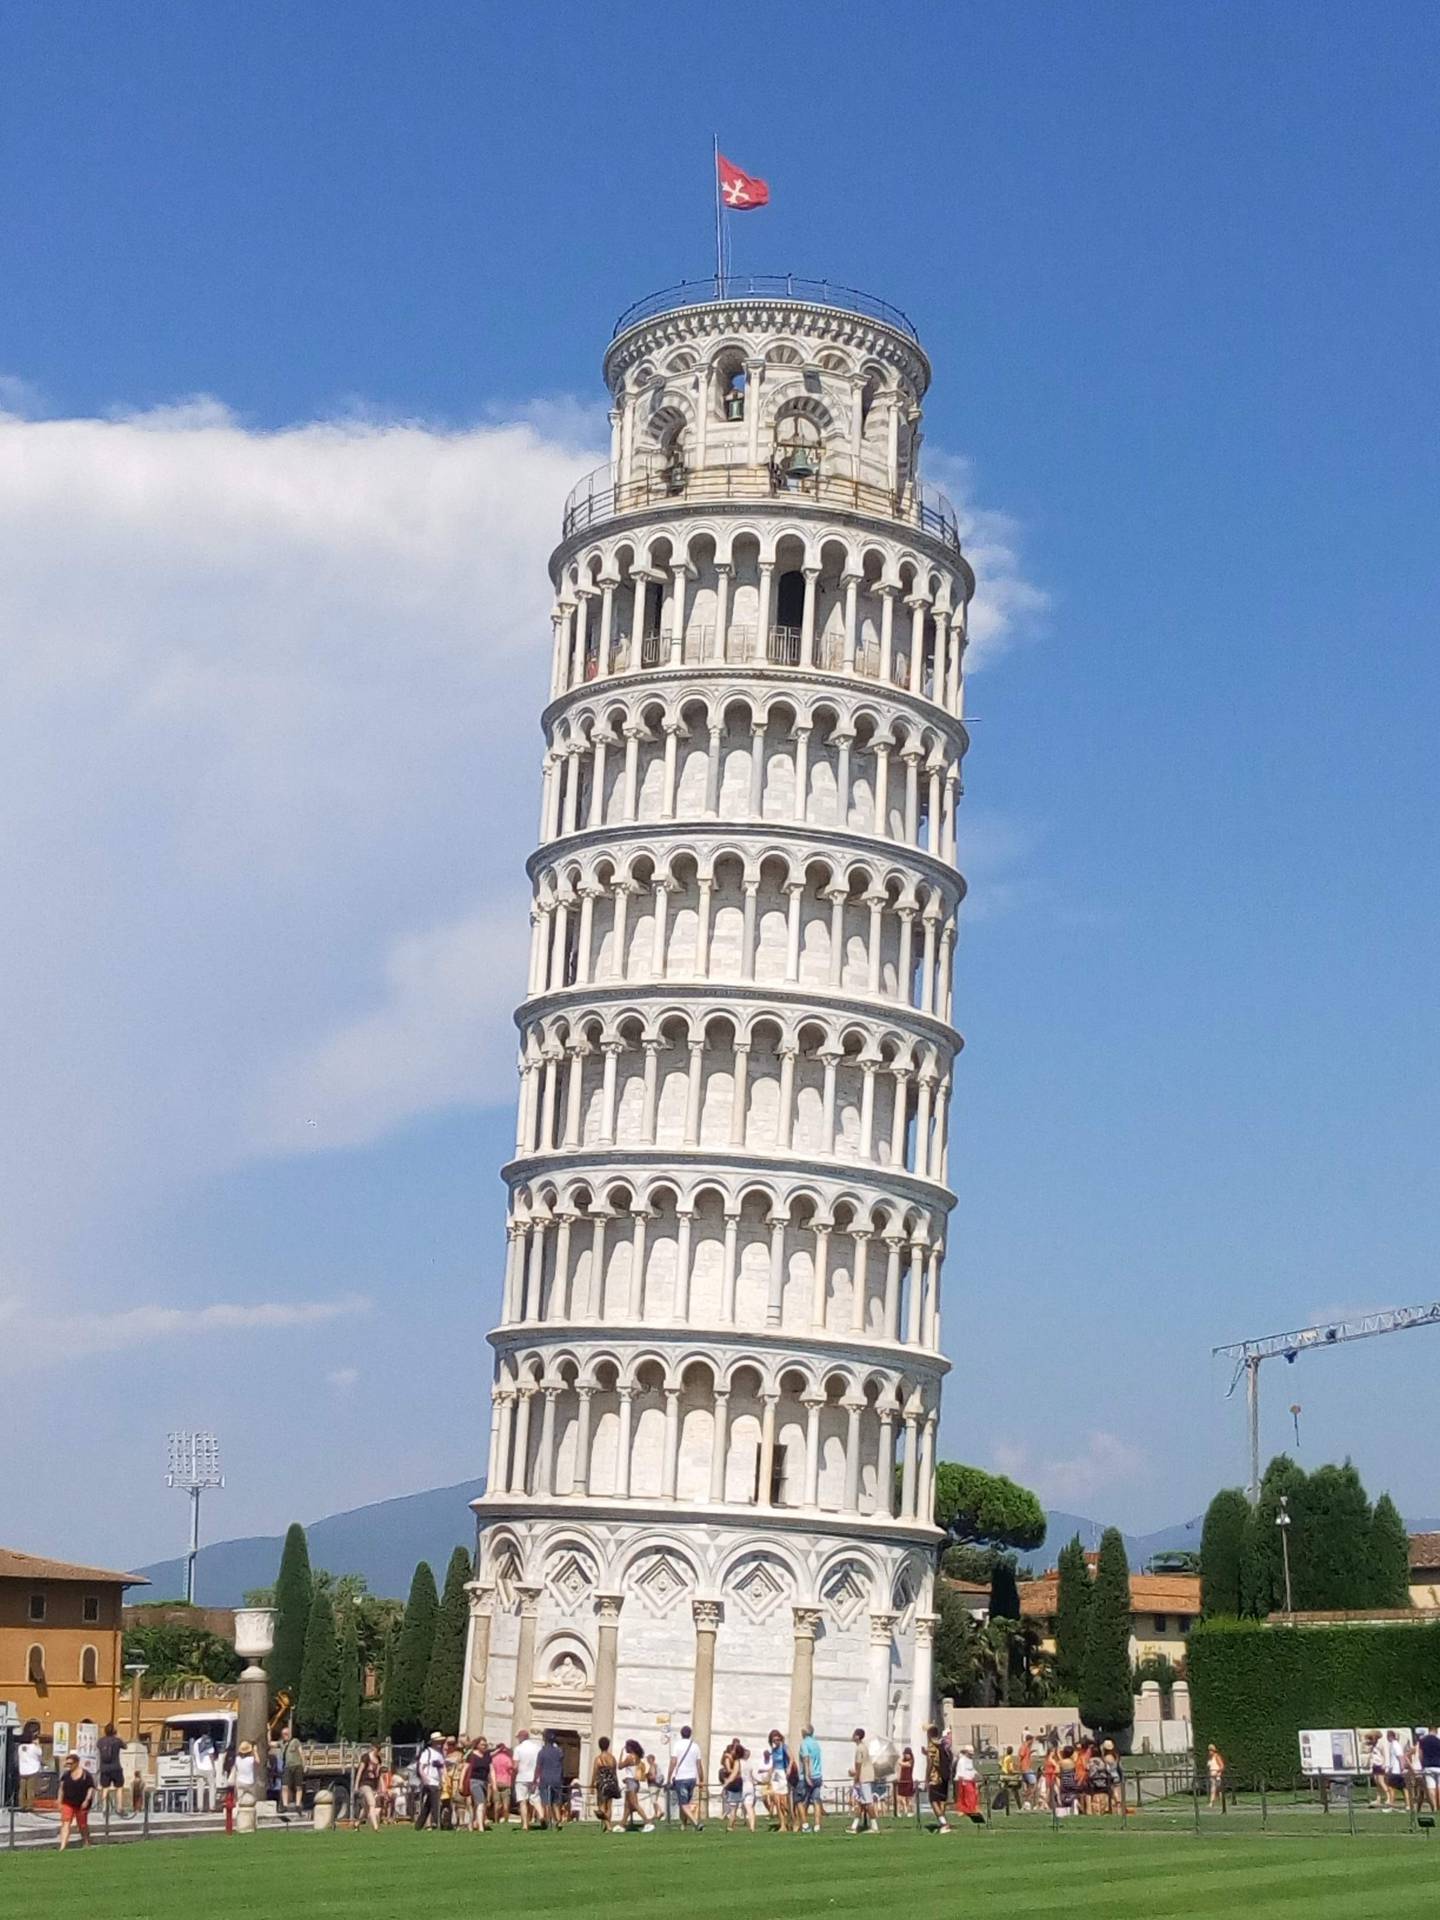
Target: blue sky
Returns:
[[300, 336]]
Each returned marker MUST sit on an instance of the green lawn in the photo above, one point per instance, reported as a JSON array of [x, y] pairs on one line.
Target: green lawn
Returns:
[[1022, 1872]]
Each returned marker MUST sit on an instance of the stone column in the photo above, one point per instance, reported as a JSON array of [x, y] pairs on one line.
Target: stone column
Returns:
[[581, 1479], [626, 1396], [602, 1712], [812, 1403], [719, 1448], [477, 1658], [767, 1448], [922, 1689], [529, 1598], [802, 1673], [877, 1693], [885, 1467], [708, 1615]]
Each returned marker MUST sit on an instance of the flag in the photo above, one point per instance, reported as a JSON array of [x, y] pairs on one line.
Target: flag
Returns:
[[738, 190]]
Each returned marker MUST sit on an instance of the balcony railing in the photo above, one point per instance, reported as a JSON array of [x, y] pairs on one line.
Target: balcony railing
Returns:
[[701, 646], [766, 286], [602, 495]]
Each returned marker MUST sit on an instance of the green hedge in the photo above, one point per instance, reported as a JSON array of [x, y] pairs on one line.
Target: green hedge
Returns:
[[1254, 1686]]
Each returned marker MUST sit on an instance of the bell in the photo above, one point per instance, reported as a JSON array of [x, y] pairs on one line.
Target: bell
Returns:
[[802, 467]]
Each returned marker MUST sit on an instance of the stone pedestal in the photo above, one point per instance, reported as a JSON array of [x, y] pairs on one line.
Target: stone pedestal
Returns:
[[253, 1720]]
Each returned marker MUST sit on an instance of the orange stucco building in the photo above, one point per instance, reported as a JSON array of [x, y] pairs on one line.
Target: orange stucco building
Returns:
[[60, 1640]]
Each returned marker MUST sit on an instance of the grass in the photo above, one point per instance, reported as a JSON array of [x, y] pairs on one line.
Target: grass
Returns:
[[1023, 1872]]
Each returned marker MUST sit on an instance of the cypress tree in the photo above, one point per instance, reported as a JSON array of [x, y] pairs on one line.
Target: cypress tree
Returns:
[[347, 1720], [1072, 1613], [1004, 1589], [1330, 1541], [1389, 1556], [293, 1594], [1262, 1575], [1107, 1704], [1222, 1552], [318, 1706], [382, 1710], [410, 1662], [446, 1673]]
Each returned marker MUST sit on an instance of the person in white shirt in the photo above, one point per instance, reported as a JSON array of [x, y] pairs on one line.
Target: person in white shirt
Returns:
[[29, 1759], [202, 1767], [527, 1758], [686, 1771], [430, 1772]]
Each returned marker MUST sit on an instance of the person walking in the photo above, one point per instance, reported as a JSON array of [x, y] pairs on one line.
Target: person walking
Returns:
[[111, 1775], [224, 1780], [476, 1782], [77, 1790], [527, 1753], [905, 1785], [550, 1780], [1215, 1770], [737, 1779], [632, 1770], [1429, 1746], [502, 1783], [937, 1777], [684, 1779], [604, 1783], [367, 1790], [862, 1786], [779, 1763], [967, 1787], [430, 1774], [811, 1804]]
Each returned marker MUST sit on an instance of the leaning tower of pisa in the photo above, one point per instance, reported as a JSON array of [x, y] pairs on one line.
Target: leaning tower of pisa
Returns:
[[718, 1363]]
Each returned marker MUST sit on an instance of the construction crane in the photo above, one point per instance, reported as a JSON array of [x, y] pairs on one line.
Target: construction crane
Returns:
[[1248, 1354]]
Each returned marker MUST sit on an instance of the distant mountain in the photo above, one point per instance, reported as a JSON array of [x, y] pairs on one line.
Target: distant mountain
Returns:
[[383, 1542]]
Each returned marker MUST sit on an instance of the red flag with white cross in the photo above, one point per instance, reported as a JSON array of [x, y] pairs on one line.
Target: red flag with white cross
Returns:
[[739, 190]]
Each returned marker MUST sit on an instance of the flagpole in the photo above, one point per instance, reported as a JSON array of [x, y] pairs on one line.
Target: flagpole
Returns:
[[719, 218]]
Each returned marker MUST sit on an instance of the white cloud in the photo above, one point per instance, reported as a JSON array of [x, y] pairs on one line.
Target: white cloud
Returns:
[[35, 1336], [268, 714], [342, 1378], [1007, 607], [268, 718], [1104, 1463], [442, 1037]]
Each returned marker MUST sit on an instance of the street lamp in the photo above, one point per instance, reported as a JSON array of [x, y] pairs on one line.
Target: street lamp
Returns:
[[135, 1668], [1283, 1522]]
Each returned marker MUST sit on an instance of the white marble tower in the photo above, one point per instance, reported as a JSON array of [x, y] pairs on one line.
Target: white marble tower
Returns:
[[718, 1365]]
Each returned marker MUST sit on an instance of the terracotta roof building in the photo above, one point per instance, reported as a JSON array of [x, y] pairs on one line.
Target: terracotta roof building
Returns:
[[60, 1631], [1425, 1569], [1163, 1608]]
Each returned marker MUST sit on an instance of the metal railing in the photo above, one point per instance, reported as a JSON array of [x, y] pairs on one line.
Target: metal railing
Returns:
[[601, 495], [765, 286], [701, 647]]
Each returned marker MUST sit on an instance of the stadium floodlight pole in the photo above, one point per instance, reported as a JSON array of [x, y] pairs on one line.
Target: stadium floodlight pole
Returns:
[[1248, 1354], [194, 1465]]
